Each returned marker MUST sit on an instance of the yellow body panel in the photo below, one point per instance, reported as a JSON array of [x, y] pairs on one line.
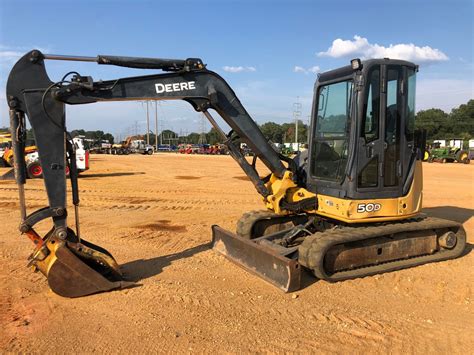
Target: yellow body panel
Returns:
[[347, 210], [8, 156], [279, 189]]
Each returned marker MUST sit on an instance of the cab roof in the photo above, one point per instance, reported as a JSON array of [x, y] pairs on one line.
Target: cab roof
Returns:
[[347, 70]]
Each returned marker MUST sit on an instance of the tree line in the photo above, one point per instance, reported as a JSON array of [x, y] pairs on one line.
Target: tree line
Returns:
[[277, 133], [93, 135], [459, 123]]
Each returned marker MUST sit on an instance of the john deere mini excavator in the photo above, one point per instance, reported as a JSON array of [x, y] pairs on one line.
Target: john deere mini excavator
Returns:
[[349, 208]]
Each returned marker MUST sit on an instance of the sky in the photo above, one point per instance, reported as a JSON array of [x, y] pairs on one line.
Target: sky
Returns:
[[268, 51]]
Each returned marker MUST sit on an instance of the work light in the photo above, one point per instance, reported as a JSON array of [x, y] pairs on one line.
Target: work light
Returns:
[[356, 64]]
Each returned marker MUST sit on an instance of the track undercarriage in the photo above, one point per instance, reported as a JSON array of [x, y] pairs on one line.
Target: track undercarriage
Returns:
[[275, 247]]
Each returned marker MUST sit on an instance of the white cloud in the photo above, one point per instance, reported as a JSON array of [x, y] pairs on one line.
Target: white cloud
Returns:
[[10, 55], [315, 69], [239, 69], [361, 47], [14, 53]]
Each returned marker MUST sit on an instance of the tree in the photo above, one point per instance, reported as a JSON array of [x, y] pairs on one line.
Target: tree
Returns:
[[168, 137], [289, 134], [95, 135], [435, 121], [109, 137], [272, 131], [462, 120], [193, 138], [78, 132], [213, 137]]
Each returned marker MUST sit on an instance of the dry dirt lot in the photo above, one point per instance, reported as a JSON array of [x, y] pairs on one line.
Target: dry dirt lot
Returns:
[[155, 215]]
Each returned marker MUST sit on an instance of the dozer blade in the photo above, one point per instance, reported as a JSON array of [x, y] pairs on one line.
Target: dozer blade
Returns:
[[8, 175], [261, 260], [78, 269]]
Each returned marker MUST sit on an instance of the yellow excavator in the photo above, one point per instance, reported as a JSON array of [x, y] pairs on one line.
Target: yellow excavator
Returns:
[[348, 207]]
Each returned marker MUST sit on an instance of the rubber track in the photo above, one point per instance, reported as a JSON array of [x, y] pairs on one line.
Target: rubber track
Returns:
[[248, 219], [314, 247]]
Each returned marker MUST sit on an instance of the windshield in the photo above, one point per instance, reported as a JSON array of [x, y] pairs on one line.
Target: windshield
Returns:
[[331, 135]]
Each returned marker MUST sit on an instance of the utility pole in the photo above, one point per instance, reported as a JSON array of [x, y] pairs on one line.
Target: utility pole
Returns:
[[156, 126], [296, 116], [147, 125], [202, 134]]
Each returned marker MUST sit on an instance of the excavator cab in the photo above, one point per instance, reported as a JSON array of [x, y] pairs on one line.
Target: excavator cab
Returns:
[[363, 138]]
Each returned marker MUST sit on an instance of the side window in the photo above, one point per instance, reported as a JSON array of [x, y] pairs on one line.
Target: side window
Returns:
[[331, 132], [368, 176], [370, 124], [392, 128], [410, 122]]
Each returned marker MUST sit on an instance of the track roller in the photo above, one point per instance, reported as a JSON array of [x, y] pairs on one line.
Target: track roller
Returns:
[[352, 252]]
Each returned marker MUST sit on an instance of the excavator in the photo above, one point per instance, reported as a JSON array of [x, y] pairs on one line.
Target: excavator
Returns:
[[348, 207]]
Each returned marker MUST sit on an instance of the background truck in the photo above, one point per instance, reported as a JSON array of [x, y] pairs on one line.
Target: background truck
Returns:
[[139, 146], [101, 147], [132, 144]]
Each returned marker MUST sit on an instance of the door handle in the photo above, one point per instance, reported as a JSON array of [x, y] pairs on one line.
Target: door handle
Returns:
[[369, 151]]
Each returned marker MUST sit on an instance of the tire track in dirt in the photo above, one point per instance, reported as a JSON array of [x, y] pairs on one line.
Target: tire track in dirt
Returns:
[[192, 298], [166, 237]]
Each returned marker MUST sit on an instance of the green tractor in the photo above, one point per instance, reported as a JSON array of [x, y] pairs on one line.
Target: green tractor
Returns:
[[447, 154]]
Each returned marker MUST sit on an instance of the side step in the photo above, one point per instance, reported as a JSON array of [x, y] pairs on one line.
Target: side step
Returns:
[[258, 257]]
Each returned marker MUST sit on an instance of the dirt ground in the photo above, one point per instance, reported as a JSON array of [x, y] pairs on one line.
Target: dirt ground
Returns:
[[154, 213]]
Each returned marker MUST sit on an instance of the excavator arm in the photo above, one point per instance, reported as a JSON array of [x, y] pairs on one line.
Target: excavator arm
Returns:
[[31, 92]]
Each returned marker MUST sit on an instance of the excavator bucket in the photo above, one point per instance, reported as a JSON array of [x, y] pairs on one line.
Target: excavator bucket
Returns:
[[76, 269], [259, 258]]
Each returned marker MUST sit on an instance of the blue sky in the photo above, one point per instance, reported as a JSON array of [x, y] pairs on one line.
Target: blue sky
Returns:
[[268, 51]]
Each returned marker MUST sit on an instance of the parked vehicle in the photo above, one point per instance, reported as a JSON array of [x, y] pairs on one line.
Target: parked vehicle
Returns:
[[447, 154], [101, 147], [32, 160], [132, 144]]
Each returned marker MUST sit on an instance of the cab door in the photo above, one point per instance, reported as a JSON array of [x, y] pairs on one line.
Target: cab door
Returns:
[[370, 147], [379, 163], [391, 122]]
